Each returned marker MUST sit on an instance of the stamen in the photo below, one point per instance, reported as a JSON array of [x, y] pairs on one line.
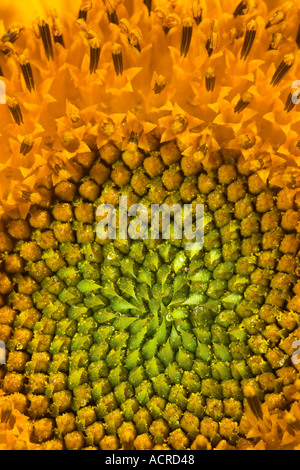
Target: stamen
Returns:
[[213, 38], [26, 145], [112, 17], [249, 39], [57, 30], [159, 84], [243, 102], [94, 54], [6, 411], [203, 148], [117, 57], [179, 124], [298, 37], [210, 79], [15, 110], [27, 72], [134, 37], [148, 4], [235, 34], [253, 401], [279, 15], [7, 48], [110, 6], [289, 105], [292, 420], [85, 6], [26, 195], [187, 31], [240, 9], [12, 34], [277, 38], [168, 21], [197, 12], [46, 37], [283, 69], [134, 137]]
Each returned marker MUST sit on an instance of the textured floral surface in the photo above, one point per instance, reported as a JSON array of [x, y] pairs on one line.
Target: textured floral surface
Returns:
[[136, 344]]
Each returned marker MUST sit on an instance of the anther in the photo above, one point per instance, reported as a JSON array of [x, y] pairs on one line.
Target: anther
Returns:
[[243, 102], [277, 38], [117, 57], [179, 124], [203, 148], [168, 21], [244, 7], [94, 54], [26, 195], [57, 30], [134, 37], [253, 401], [148, 4], [298, 33], [6, 411], [240, 9], [235, 34], [197, 12], [110, 6], [27, 72], [46, 37], [289, 105], [210, 79], [249, 39], [187, 31], [213, 38], [12, 34], [26, 145], [85, 6], [159, 84], [279, 15], [291, 419], [15, 110], [283, 68]]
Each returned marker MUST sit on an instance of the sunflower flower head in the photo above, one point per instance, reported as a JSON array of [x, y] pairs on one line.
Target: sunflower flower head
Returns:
[[139, 343]]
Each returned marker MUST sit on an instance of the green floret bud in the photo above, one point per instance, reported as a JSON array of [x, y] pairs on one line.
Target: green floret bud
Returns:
[[172, 415], [216, 288], [113, 421], [98, 351], [195, 404], [144, 392], [118, 375], [70, 275], [191, 382], [97, 370], [220, 370], [202, 368], [166, 353], [161, 385], [221, 351], [211, 388], [114, 358], [77, 377], [129, 408], [240, 370]]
